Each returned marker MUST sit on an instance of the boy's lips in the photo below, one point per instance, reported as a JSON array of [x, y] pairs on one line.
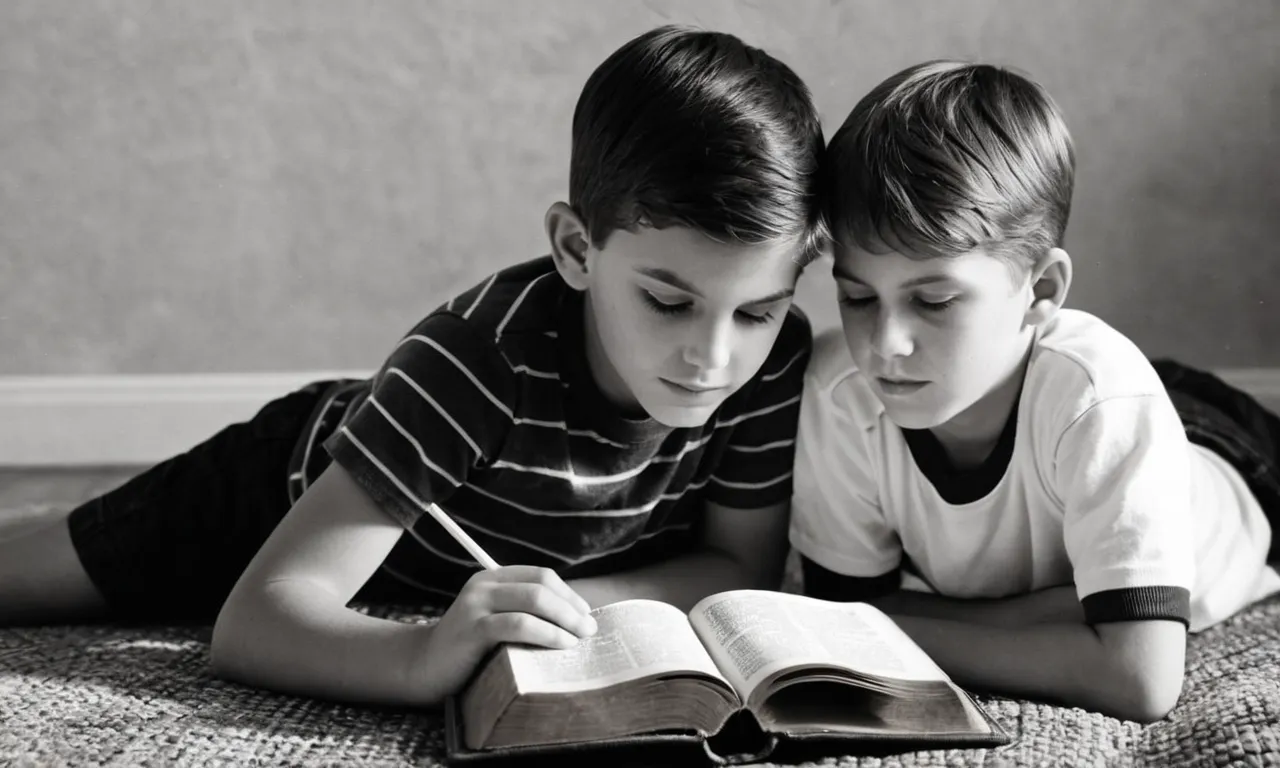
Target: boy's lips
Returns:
[[898, 386], [691, 390]]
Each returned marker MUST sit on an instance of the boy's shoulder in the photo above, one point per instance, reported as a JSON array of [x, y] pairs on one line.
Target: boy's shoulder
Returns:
[[792, 347], [1079, 360], [512, 318], [515, 300], [833, 386]]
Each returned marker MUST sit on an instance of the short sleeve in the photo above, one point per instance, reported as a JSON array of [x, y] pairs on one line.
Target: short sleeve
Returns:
[[836, 517], [1122, 469], [755, 469], [440, 405]]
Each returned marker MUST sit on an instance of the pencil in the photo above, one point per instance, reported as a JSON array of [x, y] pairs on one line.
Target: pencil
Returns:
[[462, 538]]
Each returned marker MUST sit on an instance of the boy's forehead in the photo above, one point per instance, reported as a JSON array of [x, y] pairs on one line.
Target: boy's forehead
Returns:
[[873, 253], [860, 261], [880, 243], [695, 262]]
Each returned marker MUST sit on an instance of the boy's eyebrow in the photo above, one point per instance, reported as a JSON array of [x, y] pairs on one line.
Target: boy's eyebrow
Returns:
[[840, 274], [675, 281], [927, 279], [785, 293], [670, 278]]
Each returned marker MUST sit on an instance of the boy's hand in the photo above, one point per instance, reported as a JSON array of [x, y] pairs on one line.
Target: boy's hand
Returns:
[[513, 604]]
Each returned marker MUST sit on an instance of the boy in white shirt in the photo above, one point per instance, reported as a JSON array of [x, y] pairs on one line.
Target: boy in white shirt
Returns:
[[1045, 511]]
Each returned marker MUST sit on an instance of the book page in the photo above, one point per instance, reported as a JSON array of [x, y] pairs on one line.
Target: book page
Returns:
[[636, 638], [753, 634]]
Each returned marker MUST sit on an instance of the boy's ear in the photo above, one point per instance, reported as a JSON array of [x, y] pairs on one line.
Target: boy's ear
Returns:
[[569, 244], [1050, 280]]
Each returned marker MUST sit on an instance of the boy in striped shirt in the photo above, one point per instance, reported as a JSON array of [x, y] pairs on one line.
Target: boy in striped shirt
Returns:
[[613, 420]]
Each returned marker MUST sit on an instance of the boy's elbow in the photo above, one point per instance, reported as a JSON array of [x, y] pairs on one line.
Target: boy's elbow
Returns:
[[1141, 676], [228, 645], [1148, 698], [221, 658], [1145, 693], [222, 645]]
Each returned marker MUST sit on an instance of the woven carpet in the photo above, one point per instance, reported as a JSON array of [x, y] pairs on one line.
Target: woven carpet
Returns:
[[143, 696]]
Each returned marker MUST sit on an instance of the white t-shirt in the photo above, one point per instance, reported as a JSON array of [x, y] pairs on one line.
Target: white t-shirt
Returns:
[[1102, 490]]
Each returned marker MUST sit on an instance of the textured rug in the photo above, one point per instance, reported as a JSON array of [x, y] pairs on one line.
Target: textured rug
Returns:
[[143, 696]]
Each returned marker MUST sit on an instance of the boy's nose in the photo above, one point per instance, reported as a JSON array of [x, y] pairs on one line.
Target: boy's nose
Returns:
[[890, 336], [711, 346]]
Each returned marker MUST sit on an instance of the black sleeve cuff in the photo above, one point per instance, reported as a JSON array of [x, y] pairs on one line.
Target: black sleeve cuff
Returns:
[[1138, 604], [829, 585]]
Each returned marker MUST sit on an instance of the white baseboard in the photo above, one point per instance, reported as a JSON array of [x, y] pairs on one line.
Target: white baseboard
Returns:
[[128, 420], [138, 420]]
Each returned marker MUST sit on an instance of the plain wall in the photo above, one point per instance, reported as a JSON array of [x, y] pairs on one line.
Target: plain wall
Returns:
[[238, 186]]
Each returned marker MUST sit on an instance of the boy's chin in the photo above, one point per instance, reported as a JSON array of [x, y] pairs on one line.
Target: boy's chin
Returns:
[[681, 417], [914, 418]]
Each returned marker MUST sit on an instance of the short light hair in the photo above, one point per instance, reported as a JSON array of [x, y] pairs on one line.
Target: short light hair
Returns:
[[948, 157]]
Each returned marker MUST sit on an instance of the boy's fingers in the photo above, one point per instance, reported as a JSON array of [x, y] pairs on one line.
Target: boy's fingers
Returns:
[[535, 573], [525, 628], [544, 576], [539, 601]]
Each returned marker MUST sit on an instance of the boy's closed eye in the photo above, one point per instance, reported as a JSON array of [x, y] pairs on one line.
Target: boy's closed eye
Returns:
[[934, 303], [925, 301], [665, 304], [668, 304]]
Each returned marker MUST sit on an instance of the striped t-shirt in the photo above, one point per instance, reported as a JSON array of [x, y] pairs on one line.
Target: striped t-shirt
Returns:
[[487, 408]]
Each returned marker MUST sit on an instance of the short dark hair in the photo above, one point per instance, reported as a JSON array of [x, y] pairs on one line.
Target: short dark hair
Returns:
[[947, 157], [693, 128]]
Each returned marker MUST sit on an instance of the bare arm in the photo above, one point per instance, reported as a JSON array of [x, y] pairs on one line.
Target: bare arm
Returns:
[[1131, 670], [286, 624], [742, 549], [1052, 605]]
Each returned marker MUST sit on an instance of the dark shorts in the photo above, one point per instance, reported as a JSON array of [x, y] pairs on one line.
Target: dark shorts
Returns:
[[170, 543], [1229, 422]]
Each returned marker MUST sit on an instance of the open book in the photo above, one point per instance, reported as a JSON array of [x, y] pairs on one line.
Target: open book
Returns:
[[802, 668]]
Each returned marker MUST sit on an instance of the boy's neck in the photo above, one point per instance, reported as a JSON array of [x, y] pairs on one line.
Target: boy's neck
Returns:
[[969, 438]]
